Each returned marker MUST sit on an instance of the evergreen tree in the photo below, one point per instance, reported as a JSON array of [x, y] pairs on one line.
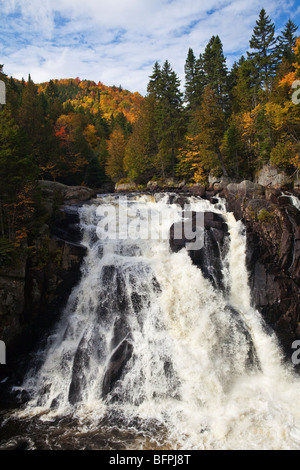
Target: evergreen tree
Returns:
[[215, 69], [243, 92], [189, 70], [286, 42], [209, 128], [51, 91], [164, 87], [194, 80], [142, 146], [263, 43], [154, 85]]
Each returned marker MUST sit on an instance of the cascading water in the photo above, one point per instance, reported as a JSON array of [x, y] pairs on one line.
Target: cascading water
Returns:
[[151, 354], [295, 201]]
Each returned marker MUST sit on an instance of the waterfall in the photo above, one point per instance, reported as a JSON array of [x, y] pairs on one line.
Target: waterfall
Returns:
[[147, 342], [295, 201]]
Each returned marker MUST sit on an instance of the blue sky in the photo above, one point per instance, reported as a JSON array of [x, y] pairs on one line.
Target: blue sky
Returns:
[[118, 41]]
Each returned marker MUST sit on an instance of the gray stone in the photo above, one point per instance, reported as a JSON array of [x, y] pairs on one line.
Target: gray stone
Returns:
[[272, 176]]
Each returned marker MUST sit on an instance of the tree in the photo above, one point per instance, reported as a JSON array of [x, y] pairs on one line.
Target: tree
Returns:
[[17, 176], [286, 42], [191, 160], [209, 128], [116, 153], [244, 92], [164, 91], [215, 69], [263, 43], [194, 80], [154, 85], [142, 146]]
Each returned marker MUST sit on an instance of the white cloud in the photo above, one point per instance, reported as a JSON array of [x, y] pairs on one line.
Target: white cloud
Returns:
[[117, 42]]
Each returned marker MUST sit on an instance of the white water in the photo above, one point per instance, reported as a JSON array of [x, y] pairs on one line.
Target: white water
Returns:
[[190, 369], [295, 200]]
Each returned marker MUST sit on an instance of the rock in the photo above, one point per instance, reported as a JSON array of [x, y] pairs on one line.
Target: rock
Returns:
[[80, 366], [244, 189], [208, 257], [53, 190], [124, 187], [67, 226], [78, 193], [152, 185], [270, 175], [197, 190], [117, 362]]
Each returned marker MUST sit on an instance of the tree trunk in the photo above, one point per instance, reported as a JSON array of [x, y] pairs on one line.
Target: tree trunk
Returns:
[[220, 158]]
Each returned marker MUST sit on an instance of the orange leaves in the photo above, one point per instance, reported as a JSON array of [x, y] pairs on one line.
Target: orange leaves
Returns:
[[290, 77], [295, 161], [109, 101]]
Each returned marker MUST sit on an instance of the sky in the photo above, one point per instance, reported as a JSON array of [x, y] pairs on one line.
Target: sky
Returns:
[[117, 42]]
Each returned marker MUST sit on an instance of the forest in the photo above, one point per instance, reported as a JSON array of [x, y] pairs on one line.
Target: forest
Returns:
[[222, 122]]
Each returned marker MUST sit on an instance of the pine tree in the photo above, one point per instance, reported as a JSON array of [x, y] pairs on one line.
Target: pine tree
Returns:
[[286, 42], [215, 69], [194, 80], [189, 70], [243, 92], [154, 85], [263, 43], [142, 146], [169, 118], [164, 89], [209, 127]]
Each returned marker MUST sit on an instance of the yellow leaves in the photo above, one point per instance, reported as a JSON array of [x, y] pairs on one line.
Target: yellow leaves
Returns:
[[190, 160], [248, 121], [116, 149], [90, 133], [199, 175], [50, 168]]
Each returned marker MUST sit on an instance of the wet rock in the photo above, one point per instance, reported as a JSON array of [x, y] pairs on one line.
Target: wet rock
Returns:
[[80, 366], [116, 365], [208, 257], [273, 248]]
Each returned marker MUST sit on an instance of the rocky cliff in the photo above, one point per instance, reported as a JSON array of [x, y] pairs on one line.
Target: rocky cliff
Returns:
[[273, 253], [34, 291]]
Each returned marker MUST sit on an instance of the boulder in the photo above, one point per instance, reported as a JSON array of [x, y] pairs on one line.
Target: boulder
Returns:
[[125, 187], [272, 176], [54, 190]]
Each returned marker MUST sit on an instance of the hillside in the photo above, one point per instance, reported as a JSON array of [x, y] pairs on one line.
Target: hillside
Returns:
[[94, 97]]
